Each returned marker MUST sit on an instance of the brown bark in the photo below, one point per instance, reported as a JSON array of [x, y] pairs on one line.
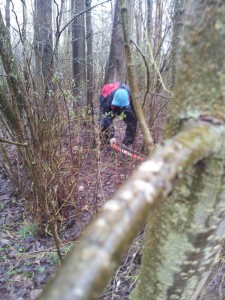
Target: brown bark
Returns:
[[43, 43], [158, 28], [149, 22], [78, 51], [16, 111], [7, 15], [178, 16]]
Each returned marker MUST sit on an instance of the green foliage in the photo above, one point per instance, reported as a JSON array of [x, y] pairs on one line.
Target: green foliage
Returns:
[[30, 274], [122, 116], [3, 258], [21, 249], [51, 93], [41, 269], [57, 77], [54, 258], [135, 277], [28, 230], [108, 114], [11, 271], [67, 94], [2, 205], [5, 226]]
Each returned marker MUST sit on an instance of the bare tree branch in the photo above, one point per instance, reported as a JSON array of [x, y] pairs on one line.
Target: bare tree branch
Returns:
[[12, 143], [76, 16]]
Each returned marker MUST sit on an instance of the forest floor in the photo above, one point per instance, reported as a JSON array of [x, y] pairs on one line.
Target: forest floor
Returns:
[[27, 260]]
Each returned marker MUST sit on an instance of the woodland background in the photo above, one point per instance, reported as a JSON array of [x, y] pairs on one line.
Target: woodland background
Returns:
[[55, 57]]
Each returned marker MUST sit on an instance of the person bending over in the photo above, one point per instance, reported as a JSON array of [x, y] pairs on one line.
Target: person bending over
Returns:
[[114, 100]]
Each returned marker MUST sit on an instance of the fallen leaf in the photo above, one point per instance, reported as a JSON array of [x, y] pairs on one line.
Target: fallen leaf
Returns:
[[81, 188], [85, 208]]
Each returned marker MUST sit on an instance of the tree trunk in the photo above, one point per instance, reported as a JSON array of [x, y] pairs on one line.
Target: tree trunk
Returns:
[[157, 43], [43, 43], [78, 51], [133, 82], [115, 69], [141, 72], [149, 22], [17, 108], [158, 28], [9, 113], [7, 15], [58, 16], [178, 16], [26, 60], [90, 78], [185, 232], [138, 27]]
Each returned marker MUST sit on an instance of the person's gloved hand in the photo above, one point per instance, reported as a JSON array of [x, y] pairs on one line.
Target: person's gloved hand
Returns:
[[112, 141], [127, 141]]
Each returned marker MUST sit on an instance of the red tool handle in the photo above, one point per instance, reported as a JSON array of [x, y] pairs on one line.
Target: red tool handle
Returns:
[[134, 155]]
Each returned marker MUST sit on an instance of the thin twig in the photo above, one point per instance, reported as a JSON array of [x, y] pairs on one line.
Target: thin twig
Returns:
[[156, 115], [156, 67], [13, 143], [159, 95], [76, 16]]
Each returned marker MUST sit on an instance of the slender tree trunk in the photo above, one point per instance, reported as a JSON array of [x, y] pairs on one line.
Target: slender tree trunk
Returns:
[[9, 113], [115, 69], [131, 14], [141, 72], [7, 15], [149, 22], [26, 61], [185, 232], [59, 18], [158, 28], [178, 16], [43, 43], [90, 78], [78, 51], [138, 28], [133, 81], [14, 81], [157, 42]]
